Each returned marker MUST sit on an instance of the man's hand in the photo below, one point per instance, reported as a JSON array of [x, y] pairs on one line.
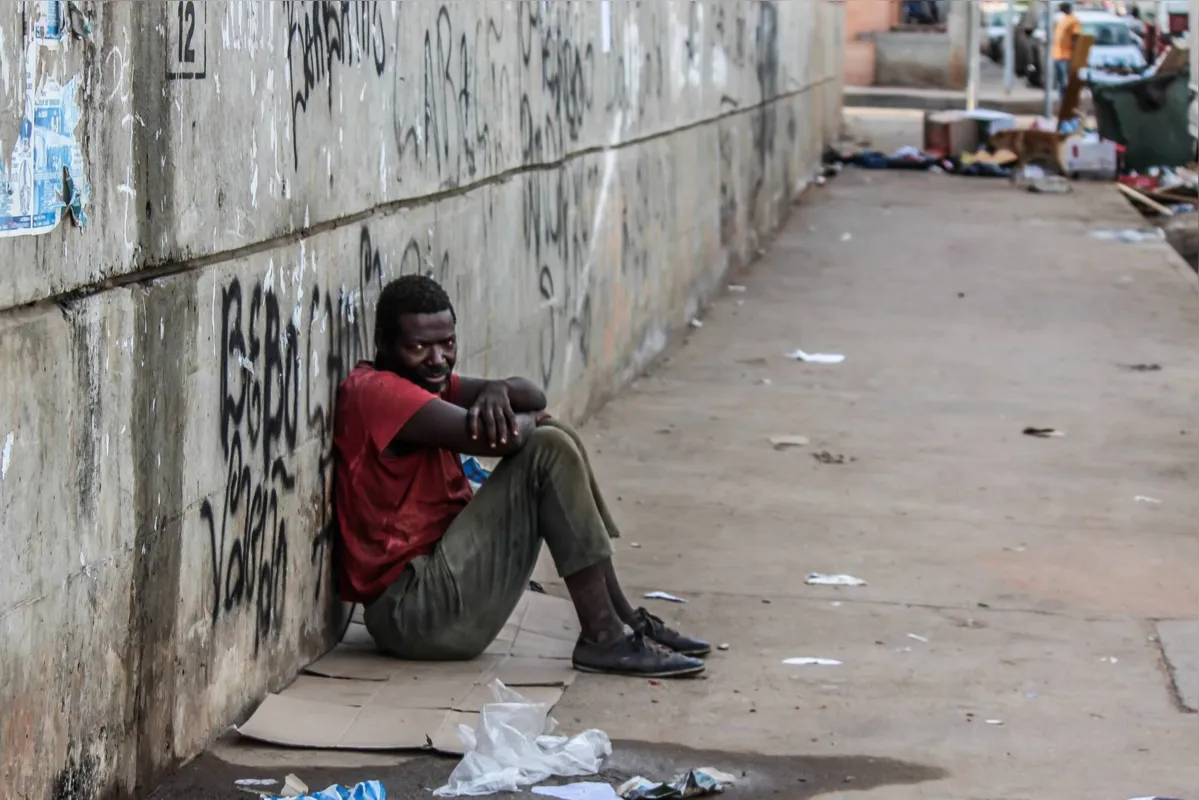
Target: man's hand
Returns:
[[491, 416]]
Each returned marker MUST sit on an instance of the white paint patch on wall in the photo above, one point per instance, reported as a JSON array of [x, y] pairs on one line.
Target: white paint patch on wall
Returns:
[[5, 71], [6, 455], [720, 67]]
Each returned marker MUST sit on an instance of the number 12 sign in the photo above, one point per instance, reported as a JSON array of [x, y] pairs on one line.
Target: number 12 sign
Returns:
[[187, 46]]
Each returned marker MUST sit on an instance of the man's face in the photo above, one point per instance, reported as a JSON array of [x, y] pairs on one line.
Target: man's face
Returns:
[[423, 349]]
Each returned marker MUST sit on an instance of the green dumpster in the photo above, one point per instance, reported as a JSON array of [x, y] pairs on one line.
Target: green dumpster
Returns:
[[1149, 116]]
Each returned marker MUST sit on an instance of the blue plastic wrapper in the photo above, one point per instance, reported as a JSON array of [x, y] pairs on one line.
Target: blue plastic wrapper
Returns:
[[367, 790]]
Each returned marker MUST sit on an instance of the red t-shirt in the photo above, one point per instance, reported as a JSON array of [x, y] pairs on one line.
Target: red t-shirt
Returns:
[[390, 508]]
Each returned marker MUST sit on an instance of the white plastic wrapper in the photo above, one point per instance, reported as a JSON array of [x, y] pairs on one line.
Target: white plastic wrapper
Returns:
[[513, 748]]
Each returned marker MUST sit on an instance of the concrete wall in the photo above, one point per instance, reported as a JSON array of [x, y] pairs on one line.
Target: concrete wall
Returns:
[[257, 172], [865, 16], [919, 59]]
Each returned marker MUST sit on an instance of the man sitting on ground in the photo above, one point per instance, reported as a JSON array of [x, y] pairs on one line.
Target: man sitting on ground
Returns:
[[439, 571]]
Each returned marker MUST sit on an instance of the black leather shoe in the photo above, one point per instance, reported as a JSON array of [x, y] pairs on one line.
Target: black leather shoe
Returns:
[[652, 627], [636, 656]]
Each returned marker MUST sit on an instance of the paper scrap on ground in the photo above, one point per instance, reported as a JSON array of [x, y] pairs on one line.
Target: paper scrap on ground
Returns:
[[696, 783], [1143, 499], [1130, 235], [1044, 433], [736, 287], [820, 579], [513, 747], [664, 596], [815, 358], [994, 722], [918, 637], [586, 790], [783, 442], [812, 662]]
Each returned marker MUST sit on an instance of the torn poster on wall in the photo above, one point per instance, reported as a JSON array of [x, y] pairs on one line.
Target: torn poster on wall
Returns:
[[44, 176]]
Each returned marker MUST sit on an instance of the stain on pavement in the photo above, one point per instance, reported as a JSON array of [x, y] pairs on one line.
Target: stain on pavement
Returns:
[[758, 776]]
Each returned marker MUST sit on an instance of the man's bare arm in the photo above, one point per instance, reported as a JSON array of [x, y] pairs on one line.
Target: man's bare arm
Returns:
[[446, 426], [523, 394]]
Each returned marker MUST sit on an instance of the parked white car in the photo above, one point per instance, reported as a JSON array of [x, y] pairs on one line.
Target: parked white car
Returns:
[[1114, 46]]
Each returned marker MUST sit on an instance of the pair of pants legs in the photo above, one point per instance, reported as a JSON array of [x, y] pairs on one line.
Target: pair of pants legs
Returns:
[[451, 604], [1061, 77]]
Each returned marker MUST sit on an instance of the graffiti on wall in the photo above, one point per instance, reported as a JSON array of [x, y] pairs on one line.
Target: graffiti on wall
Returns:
[[277, 386], [323, 35]]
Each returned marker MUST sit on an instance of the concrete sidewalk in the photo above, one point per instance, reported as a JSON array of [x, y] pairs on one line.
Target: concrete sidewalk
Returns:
[[1021, 101], [1023, 98], [1011, 579]]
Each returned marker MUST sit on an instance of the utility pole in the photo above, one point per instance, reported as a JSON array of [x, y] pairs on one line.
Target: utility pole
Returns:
[[973, 37], [1009, 47], [1048, 80]]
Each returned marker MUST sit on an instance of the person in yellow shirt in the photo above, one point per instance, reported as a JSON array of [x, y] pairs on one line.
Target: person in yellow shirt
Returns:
[[1065, 36]]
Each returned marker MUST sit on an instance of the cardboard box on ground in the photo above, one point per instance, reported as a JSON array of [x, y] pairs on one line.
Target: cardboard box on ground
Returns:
[[951, 133]]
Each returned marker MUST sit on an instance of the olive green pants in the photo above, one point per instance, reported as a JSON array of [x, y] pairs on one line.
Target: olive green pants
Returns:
[[451, 604]]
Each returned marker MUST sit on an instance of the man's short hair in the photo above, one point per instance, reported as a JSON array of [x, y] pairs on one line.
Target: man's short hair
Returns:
[[1065, 8], [410, 294]]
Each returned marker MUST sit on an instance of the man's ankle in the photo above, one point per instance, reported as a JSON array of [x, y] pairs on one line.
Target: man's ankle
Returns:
[[605, 637]]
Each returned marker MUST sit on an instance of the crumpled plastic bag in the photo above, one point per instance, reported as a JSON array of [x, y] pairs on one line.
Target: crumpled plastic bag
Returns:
[[367, 790], [513, 748]]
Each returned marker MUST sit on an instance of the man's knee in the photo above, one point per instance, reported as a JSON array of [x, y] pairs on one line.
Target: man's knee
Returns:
[[552, 438]]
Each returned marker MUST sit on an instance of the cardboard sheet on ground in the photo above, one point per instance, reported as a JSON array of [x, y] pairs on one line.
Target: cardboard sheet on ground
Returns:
[[356, 698]]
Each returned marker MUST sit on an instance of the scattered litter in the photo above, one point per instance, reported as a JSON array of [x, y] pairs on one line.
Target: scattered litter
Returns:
[[736, 287], [695, 323], [259, 786], [1155, 797], [696, 783], [815, 358], [1140, 498], [635, 545], [821, 180], [821, 579], [783, 442], [586, 790], [835, 604], [1142, 367], [292, 787], [512, 747], [817, 662], [1110, 660], [918, 638], [722, 646], [664, 596], [825, 457], [295, 788], [1044, 433], [845, 237], [1050, 184], [1130, 235], [994, 722]]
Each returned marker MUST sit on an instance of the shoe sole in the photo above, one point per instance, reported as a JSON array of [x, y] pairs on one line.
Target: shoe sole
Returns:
[[695, 653], [681, 672]]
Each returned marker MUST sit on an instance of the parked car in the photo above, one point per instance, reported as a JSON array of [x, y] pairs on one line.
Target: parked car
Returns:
[[1114, 46], [994, 31]]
